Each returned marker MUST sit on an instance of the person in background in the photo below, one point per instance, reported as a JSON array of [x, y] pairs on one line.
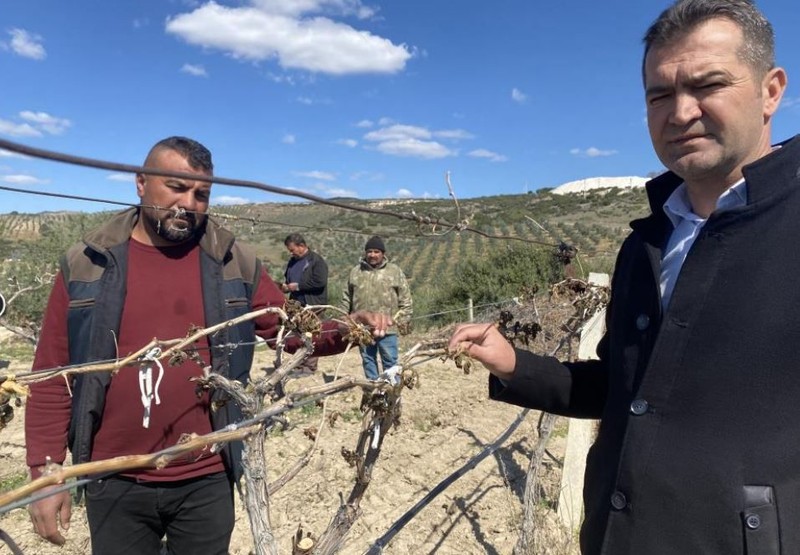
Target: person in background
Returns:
[[155, 270], [305, 279], [377, 285], [698, 378]]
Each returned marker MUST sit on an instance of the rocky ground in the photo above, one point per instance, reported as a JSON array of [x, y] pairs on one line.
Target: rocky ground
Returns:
[[445, 422]]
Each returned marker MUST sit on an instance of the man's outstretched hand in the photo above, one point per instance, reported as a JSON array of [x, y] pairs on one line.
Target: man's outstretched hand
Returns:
[[485, 343], [376, 321], [48, 513]]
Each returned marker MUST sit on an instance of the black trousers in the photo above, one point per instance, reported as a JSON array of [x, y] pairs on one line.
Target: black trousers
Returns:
[[131, 518]]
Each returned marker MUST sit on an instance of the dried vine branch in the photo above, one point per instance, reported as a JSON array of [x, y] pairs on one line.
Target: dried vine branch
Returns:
[[381, 409], [586, 299], [460, 224], [30, 335], [55, 474], [259, 402]]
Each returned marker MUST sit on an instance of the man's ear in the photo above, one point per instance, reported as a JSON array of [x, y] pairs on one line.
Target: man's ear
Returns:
[[773, 86], [141, 182]]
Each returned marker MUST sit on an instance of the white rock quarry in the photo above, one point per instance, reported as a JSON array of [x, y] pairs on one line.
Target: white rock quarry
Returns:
[[583, 185]]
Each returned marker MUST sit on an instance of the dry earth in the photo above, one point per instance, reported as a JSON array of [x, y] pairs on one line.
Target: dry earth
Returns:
[[445, 422]]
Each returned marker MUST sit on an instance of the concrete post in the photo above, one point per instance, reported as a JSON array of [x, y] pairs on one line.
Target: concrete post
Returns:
[[581, 432]]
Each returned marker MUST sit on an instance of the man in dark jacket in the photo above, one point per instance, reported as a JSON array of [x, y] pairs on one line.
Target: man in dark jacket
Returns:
[[151, 271], [698, 381], [305, 279], [306, 274]]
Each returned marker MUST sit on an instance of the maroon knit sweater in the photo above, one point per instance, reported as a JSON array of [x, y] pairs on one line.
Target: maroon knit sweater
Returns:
[[163, 300]]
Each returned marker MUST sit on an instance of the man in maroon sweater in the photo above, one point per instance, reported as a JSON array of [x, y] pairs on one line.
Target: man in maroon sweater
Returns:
[[152, 271]]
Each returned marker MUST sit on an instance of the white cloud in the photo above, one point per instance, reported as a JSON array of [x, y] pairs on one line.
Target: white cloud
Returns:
[[385, 121], [414, 148], [8, 154], [22, 179], [194, 69], [427, 195], [296, 8], [352, 143], [292, 32], [453, 134], [413, 141], [398, 131], [123, 177], [140, 22], [18, 129], [518, 96], [45, 122], [281, 78], [592, 152], [365, 123], [308, 101], [367, 176], [327, 190], [790, 102], [27, 45], [230, 200], [289, 139], [488, 154], [404, 193], [324, 176]]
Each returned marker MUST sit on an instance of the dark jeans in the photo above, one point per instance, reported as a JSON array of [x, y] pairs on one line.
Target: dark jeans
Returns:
[[129, 517]]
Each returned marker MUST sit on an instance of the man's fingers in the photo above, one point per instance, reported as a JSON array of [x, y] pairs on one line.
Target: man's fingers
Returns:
[[378, 322], [65, 514], [47, 529], [56, 538], [469, 333], [46, 514]]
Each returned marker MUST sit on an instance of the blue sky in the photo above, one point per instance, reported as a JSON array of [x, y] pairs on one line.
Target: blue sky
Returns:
[[337, 97]]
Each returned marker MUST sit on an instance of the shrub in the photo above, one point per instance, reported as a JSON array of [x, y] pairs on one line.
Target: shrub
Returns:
[[506, 273]]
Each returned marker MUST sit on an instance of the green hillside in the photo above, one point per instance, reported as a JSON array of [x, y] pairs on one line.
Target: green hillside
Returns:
[[594, 222]]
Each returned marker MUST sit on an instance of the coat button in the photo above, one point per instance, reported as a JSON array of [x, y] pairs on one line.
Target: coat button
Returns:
[[752, 521], [618, 500], [642, 321], [639, 407]]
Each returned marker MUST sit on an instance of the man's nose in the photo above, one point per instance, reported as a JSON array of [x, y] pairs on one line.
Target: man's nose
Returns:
[[188, 201], [686, 109]]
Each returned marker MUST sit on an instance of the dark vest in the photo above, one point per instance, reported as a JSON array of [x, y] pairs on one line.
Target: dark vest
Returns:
[[95, 273]]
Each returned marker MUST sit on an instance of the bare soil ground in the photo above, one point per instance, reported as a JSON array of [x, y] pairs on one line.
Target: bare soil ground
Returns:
[[445, 422]]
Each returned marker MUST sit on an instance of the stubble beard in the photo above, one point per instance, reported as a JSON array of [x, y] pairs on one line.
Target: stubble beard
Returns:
[[175, 225]]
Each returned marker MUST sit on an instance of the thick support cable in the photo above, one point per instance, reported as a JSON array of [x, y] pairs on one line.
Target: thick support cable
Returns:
[[128, 168]]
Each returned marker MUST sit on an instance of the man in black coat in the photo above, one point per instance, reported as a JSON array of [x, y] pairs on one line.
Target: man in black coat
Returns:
[[305, 279], [697, 382]]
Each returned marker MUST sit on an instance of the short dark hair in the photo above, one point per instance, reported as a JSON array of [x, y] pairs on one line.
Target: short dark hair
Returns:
[[674, 23], [295, 238], [198, 156]]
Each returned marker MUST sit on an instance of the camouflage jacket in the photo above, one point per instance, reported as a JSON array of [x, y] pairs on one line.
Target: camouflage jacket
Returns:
[[383, 289]]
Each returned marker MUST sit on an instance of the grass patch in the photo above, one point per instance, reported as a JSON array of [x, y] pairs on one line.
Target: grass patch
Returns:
[[13, 481], [16, 350], [425, 422], [352, 415], [310, 410]]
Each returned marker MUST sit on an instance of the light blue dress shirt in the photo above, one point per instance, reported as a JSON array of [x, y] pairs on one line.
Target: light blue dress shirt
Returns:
[[686, 227]]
